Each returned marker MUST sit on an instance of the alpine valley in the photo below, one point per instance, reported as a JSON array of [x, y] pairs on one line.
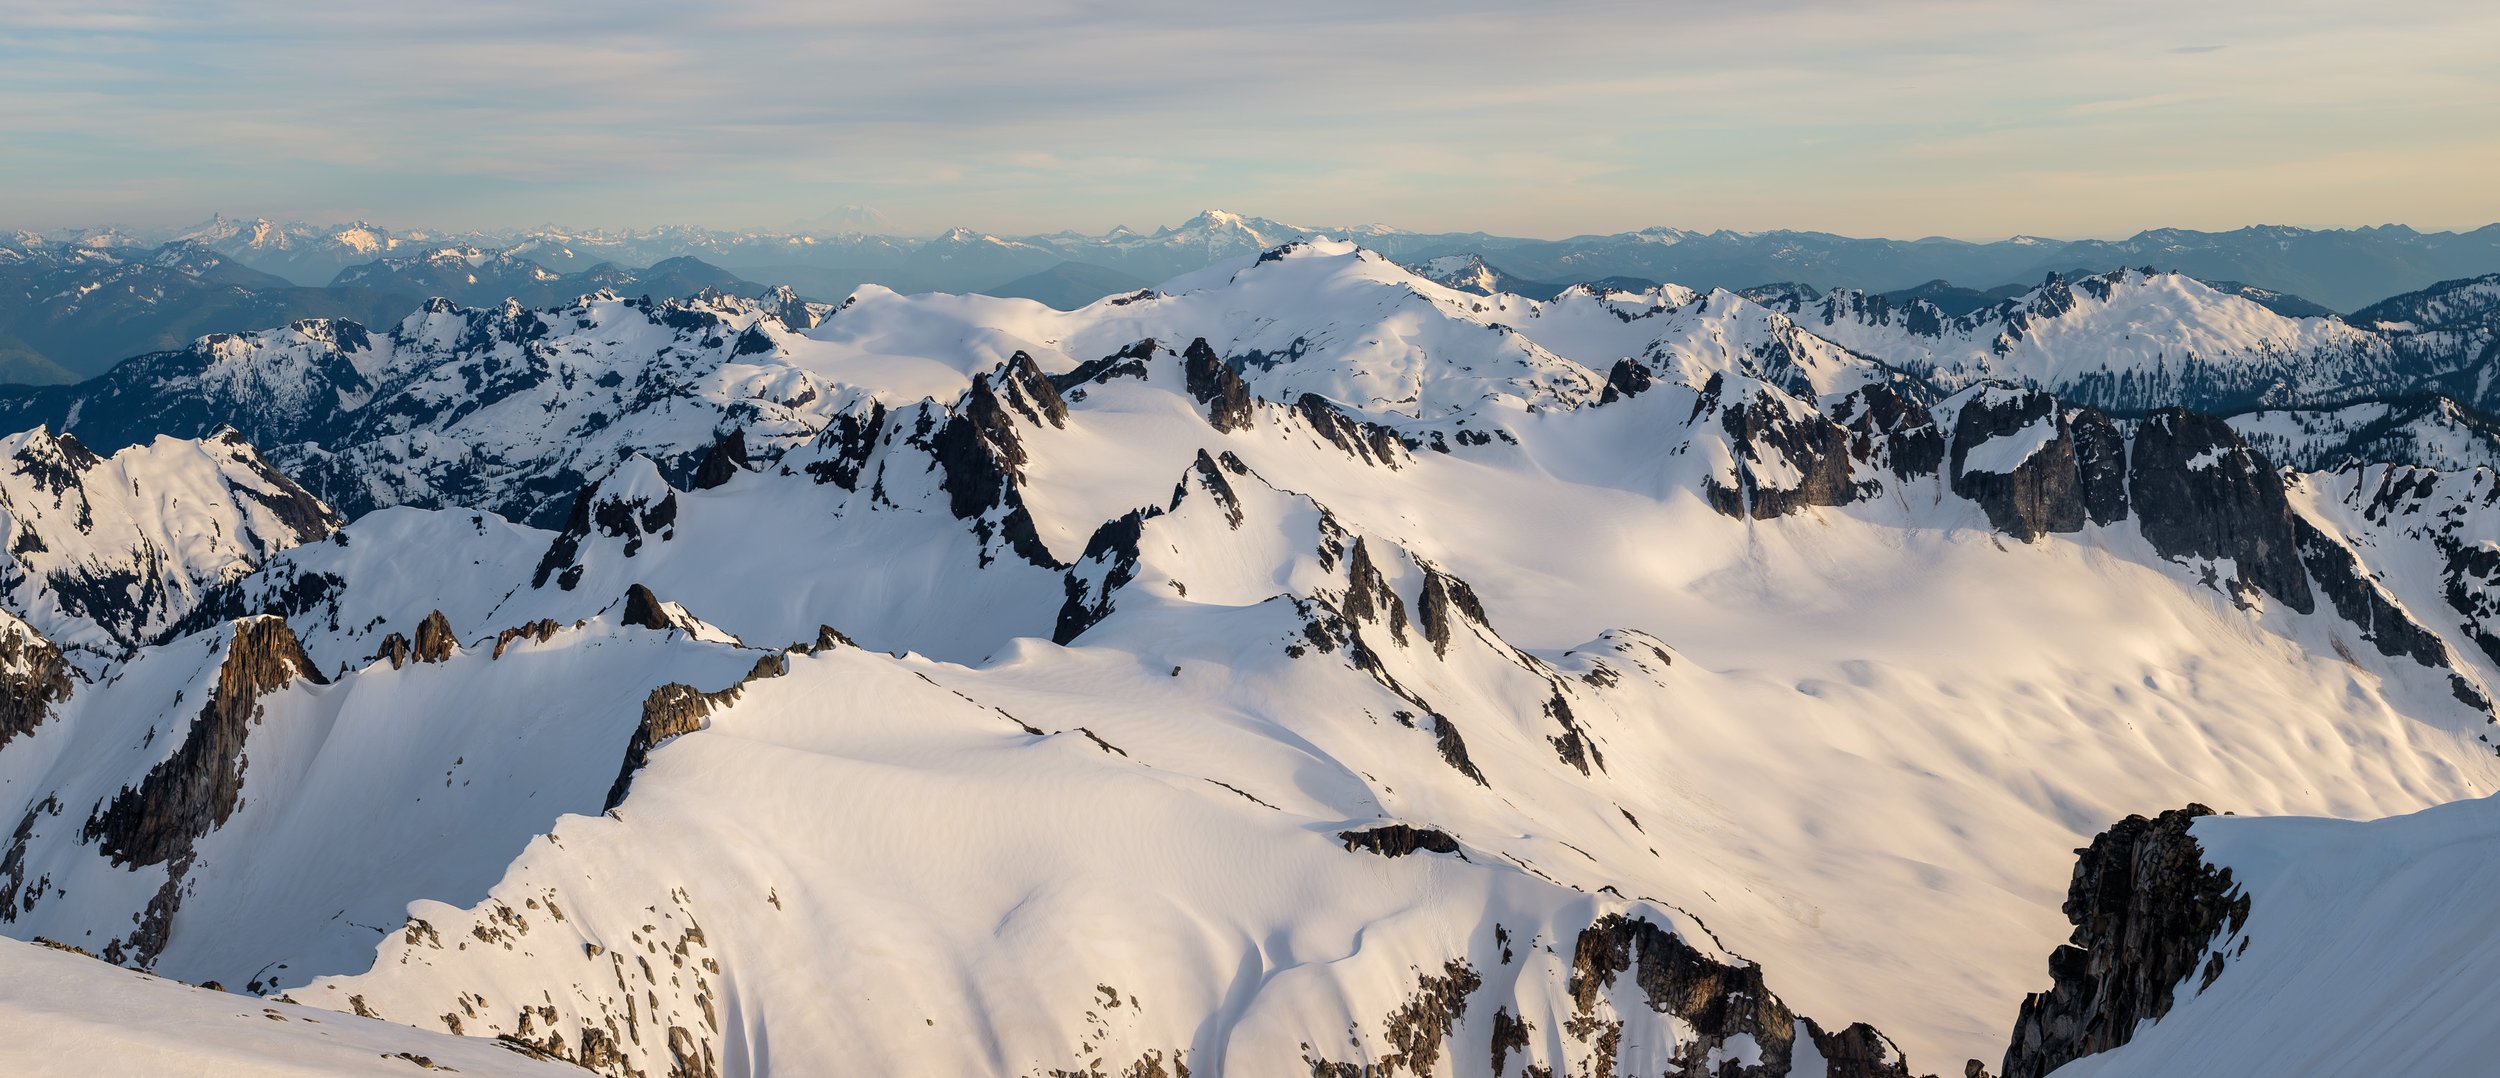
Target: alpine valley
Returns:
[[1309, 665]]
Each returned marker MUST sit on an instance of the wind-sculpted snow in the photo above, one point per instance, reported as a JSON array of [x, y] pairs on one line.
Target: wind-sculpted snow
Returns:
[[1116, 690]]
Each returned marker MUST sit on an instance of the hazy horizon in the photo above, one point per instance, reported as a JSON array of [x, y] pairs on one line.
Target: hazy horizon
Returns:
[[176, 224], [1928, 118]]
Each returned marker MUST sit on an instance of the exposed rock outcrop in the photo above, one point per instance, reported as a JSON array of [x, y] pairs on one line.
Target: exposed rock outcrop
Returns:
[[1398, 840], [394, 650], [1417, 1031], [981, 457], [1209, 473], [1108, 564], [723, 461], [33, 677], [1370, 443], [845, 445], [633, 504], [1720, 1002], [2100, 465], [1217, 386], [193, 792], [677, 708], [1787, 456], [2013, 454], [2146, 909], [1890, 429], [1446, 600], [1368, 596], [643, 610], [295, 507], [1627, 378], [540, 631], [2200, 492], [435, 642], [1129, 362]]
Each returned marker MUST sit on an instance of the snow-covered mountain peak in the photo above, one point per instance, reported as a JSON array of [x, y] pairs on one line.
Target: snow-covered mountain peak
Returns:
[[1217, 223], [105, 552], [2125, 340], [1511, 629]]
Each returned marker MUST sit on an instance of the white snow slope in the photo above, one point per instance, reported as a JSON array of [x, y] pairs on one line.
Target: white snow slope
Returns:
[[1021, 714], [68, 1015]]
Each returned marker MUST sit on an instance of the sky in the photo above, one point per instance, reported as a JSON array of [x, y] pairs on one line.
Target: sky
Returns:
[[1903, 118]]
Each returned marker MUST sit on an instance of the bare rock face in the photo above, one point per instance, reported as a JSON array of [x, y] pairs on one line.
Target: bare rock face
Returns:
[[2013, 454], [2200, 492], [1446, 600], [1788, 457], [1209, 474], [1627, 378], [434, 642], [1717, 1000], [195, 790], [295, 507], [723, 461], [1368, 598], [540, 631], [2145, 907], [642, 609], [1129, 362], [786, 306], [2100, 465], [1890, 429], [1417, 1031], [33, 677], [1217, 386], [1108, 564], [982, 457], [846, 444], [393, 650]]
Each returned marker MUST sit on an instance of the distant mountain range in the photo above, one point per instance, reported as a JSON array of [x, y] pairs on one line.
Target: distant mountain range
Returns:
[[68, 311], [73, 303], [2340, 268]]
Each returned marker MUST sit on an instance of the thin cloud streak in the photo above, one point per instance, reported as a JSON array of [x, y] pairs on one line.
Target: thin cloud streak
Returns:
[[1564, 118]]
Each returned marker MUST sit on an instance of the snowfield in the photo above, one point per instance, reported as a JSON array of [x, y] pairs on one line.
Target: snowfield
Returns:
[[1300, 668], [70, 1014]]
